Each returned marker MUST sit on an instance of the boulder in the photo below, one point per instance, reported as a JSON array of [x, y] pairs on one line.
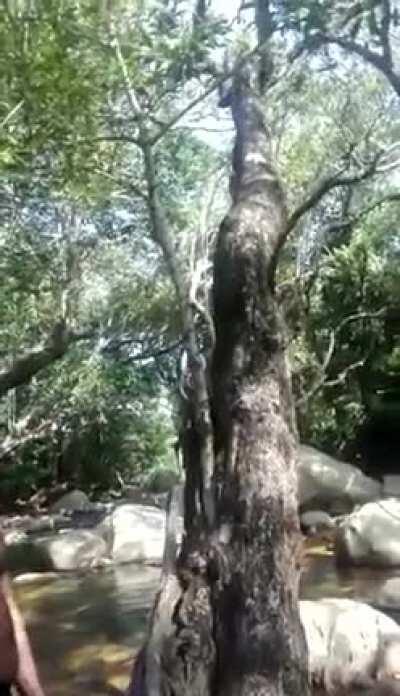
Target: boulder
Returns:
[[75, 550], [391, 486], [329, 484], [370, 536], [71, 550], [71, 502], [314, 522], [128, 533], [350, 644], [162, 479], [135, 533], [389, 593]]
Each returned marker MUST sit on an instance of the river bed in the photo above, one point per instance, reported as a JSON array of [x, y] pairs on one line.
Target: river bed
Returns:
[[86, 628]]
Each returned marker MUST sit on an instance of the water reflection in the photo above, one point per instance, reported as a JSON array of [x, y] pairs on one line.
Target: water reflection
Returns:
[[86, 628], [323, 579]]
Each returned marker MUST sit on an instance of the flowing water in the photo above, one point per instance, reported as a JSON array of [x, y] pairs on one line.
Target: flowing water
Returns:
[[86, 628]]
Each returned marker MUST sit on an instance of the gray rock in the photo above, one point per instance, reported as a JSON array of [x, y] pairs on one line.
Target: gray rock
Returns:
[[370, 536], [162, 479], [391, 486], [329, 484], [315, 522], [71, 502]]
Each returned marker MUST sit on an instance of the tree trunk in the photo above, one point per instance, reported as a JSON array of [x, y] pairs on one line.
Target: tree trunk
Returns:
[[226, 621], [260, 642]]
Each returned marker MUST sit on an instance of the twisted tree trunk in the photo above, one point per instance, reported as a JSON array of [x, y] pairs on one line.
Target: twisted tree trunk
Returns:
[[226, 620]]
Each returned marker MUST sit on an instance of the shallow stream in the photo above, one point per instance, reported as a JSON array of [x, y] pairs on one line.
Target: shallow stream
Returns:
[[86, 628]]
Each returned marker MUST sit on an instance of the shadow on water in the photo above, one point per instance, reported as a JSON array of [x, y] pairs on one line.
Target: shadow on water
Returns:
[[86, 629]]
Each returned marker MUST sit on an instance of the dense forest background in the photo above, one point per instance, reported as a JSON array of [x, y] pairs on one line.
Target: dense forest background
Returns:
[[90, 335]]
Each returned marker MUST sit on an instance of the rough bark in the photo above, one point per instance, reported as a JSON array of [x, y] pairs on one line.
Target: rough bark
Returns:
[[260, 641], [226, 622]]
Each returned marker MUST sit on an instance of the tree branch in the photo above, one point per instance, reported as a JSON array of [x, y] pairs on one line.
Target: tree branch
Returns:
[[380, 62], [327, 184], [321, 381], [163, 236], [214, 85], [390, 198], [22, 369], [11, 113], [145, 355], [384, 33]]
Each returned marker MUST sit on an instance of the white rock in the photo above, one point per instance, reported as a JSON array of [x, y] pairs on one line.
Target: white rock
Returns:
[[389, 593], [138, 533], [348, 642], [371, 535]]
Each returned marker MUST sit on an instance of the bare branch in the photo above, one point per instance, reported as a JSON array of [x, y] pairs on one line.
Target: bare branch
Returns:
[[132, 98], [322, 381], [212, 87], [144, 355], [11, 113], [343, 374], [330, 182], [380, 62]]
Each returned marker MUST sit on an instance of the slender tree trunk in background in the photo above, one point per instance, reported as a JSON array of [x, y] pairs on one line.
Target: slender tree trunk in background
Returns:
[[233, 626]]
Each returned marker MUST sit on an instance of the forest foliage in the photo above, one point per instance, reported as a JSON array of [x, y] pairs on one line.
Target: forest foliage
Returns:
[[77, 253]]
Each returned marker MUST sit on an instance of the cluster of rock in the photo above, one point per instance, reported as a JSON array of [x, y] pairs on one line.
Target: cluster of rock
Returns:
[[365, 518], [101, 535], [334, 497]]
